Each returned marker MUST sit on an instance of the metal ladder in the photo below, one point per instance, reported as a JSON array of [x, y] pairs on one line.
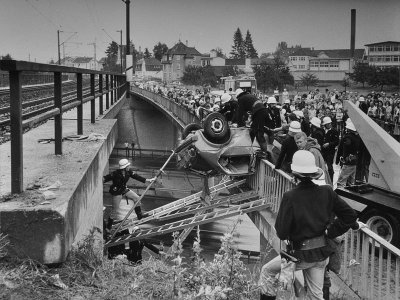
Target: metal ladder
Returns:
[[190, 222]]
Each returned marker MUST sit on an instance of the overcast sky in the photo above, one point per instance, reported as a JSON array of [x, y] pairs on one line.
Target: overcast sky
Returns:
[[28, 28]]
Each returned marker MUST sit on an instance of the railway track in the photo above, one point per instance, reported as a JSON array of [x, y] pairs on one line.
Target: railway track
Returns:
[[38, 106], [38, 87]]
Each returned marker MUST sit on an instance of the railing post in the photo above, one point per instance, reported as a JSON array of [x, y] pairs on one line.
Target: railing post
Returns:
[[118, 88], [17, 167], [79, 97], [101, 93], [108, 91], [93, 101], [58, 117], [112, 89]]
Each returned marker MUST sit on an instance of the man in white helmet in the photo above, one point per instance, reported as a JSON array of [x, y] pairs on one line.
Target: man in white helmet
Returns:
[[306, 228], [118, 189], [228, 107]]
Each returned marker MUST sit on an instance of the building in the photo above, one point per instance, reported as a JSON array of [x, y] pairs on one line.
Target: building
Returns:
[[85, 63], [176, 60], [149, 68], [327, 65], [383, 54]]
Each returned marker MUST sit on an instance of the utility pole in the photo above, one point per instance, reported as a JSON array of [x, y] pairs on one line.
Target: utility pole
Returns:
[[128, 39], [58, 46], [120, 48], [94, 46]]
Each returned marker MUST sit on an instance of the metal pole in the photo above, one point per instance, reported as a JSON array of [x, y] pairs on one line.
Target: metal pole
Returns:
[[120, 47], [58, 117], [58, 47], [79, 97], [128, 42]]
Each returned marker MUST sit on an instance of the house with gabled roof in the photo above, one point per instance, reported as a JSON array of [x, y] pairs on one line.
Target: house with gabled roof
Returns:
[[148, 68], [176, 60], [327, 65], [85, 62]]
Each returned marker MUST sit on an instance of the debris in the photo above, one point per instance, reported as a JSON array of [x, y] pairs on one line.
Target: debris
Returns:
[[55, 186], [49, 195], [56, 281], [45, 202]]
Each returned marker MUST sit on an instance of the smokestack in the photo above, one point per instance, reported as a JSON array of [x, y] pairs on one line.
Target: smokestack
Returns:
[[187, 43], [353, 33]]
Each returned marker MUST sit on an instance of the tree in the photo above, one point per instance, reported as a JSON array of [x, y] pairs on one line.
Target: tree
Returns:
[[251, 52], [272, 75], [231, 71], [281, 46], [379, 77], [110, 63], [346, 82], [361, 73], [159, 50], [6, 57], [147, 53], [309, 79], [238, 50], [196, 75], [219, 51]]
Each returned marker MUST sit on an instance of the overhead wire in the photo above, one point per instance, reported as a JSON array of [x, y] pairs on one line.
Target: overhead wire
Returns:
[[43, 15]]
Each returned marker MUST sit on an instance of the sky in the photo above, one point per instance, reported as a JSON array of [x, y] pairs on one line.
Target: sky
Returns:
[[28, 28]]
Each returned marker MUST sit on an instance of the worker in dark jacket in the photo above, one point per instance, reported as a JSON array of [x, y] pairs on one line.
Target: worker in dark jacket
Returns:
[[330, 141], [118, 189], [306, 228], [259, 125], [288, 148], [229, 107], [245, 104], [347, 155], [316, 131]]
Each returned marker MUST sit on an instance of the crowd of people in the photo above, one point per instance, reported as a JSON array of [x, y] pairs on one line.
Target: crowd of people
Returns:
[[316, 133]]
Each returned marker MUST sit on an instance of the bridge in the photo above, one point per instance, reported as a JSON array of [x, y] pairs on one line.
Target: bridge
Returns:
[[47, 230]]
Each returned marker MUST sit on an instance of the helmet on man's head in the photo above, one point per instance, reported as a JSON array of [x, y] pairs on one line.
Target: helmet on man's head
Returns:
[[303, 165], [225, 98], [123, 163], [238, 92], [295, 126], [316, 122], [350, 125], [271, 100], [326, 120]]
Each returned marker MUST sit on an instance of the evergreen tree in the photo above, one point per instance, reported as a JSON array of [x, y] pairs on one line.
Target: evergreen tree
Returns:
[[238, 50], [147, 53], [110, 63], [6, 57], [159, 50], [309, 79], [251, 52], [361, 72]]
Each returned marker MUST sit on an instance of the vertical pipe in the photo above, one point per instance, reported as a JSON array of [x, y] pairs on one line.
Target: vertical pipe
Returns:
[[58, 117], [79, 97], [93, 100], [17, 167], [353, 33], [101, 93], [58, 47], [108, 91]]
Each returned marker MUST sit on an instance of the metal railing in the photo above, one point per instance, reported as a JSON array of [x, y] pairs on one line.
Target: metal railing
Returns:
[[370, 265], [179, 113], [114, 87]]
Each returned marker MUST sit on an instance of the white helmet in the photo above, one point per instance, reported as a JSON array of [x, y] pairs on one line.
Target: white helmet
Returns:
[[303, 162], [361, 99], [238, 92], [299, 114], [326, 120], [350, 125], [316, 122], [225, 98], [271, 100], [123, 163], [287, 101], [295, 126]]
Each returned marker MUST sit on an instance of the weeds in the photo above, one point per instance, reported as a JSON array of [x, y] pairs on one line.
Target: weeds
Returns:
[[3, 245]]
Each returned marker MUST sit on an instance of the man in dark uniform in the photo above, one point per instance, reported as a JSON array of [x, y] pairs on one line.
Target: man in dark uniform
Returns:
[[306, 228], [259, 124], [229, 107], [245, 104], [316, 131], [347, 155], [330, 141], [362, 105]]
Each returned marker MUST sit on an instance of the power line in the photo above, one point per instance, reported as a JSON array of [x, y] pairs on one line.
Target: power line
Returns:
[[43, 15]]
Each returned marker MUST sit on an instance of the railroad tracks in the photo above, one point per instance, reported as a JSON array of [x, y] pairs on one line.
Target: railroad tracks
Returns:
[[38, 106]]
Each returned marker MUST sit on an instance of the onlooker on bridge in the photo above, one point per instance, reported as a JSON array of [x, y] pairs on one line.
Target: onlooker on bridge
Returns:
[[288, 148], [306, 228]]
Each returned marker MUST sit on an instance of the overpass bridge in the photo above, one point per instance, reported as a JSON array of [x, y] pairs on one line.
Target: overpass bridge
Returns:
[[46, 231]]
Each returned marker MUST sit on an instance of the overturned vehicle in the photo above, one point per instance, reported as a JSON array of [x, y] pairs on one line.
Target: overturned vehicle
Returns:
[[215, 148]]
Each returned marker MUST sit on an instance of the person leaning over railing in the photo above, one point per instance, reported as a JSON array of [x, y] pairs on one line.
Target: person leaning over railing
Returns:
[[306, 228]]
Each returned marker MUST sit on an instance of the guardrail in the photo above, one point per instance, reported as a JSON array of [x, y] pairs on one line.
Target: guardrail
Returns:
[[180, 114], [140, 153], [370, 265], [115, 85]]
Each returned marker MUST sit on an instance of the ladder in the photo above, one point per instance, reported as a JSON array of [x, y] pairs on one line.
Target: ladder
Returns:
[[173, 206], [190, 222]]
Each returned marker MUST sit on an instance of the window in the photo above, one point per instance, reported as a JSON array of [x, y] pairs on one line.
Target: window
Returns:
[[379, 58], [387, 58], [314, 64], [396, 48], [396, 58], [294, 67], [387, 48], [379, 48], [334, 64], [324, 64], [302, 67], [177, 57], [302, 58], [178, 66], [293, 58]]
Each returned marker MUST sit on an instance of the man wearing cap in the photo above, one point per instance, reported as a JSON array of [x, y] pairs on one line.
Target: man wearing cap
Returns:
[[347, 155], [330, 141], [362, 105], [118, 189], [273, 121], [306, 228], [259, 125], [288, 148], [228, 107], [245, 105]]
